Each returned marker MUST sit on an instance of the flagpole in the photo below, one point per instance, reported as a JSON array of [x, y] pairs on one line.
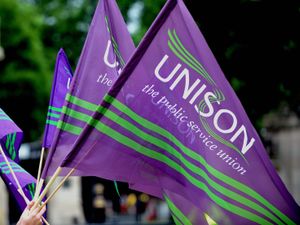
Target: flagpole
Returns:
[[20, 189], [49, 184], [38, 189], [37, 186], [27, 202], [58, 187], [56, 174], [13, 173], [40, 165]]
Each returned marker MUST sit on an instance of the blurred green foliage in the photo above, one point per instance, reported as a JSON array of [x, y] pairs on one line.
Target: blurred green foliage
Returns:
[[25, 71], [255, 42]]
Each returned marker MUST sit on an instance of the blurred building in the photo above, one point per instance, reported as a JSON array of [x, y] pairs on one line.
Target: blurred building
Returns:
[[282, 140]]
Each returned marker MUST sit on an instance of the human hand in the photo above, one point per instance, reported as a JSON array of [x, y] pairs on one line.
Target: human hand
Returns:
[[33, 217]]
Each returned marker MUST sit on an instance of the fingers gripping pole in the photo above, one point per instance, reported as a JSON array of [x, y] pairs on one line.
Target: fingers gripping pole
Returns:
[[27, 202]]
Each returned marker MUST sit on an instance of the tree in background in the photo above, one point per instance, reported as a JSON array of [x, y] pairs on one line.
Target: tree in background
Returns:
[[65, 25], [24, 72]]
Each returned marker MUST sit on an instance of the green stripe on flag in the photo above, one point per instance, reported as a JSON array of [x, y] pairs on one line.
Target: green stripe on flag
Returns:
[[3, 163], [182, 56], [53, 115], [70, 128], [82, 103], [12, 147], [5, 118], [176, 220], [52, 122], [177, 212], [117, 188], [13, 167], [147, 124], [114, 43], [52, 108], [16, 171], [196, 170], [7, 143], [164, 159], [66, 126], [78, 115], [226, 179], [216, 136], [180, 47], [31, 188]]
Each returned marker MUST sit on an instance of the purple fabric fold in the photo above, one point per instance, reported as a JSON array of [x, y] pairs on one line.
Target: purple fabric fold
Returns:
[[61, 83], [26, 180], [107, 48], [172, 122], [11, 136]]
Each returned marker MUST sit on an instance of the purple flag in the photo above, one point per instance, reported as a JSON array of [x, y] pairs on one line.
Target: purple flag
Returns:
[[107, 47], [60, 85], [26, 181], [184, 212], [184, 126], [11, 136]]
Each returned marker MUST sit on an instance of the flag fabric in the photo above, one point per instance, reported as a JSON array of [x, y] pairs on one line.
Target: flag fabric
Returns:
[[26, 181], [61, 82], [107, 47], [184, 212], [11, 136], [184, 126]]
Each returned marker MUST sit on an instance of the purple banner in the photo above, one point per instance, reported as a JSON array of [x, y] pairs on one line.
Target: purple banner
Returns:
[[26, 181], [107, 47], [61, 83], [183, 127], [11, 136], [184, 212]]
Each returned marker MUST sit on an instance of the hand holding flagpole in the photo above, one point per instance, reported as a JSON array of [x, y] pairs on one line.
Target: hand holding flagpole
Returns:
[[20, 189], [55, 175], [27, 202]]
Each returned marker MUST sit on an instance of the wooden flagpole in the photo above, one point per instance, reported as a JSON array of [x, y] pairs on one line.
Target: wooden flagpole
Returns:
[[38, 186], [20, 189], [58, 187], [38, 189], [49, 184], [40, 167], [27, 202], [13, 173], [56, 174]]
